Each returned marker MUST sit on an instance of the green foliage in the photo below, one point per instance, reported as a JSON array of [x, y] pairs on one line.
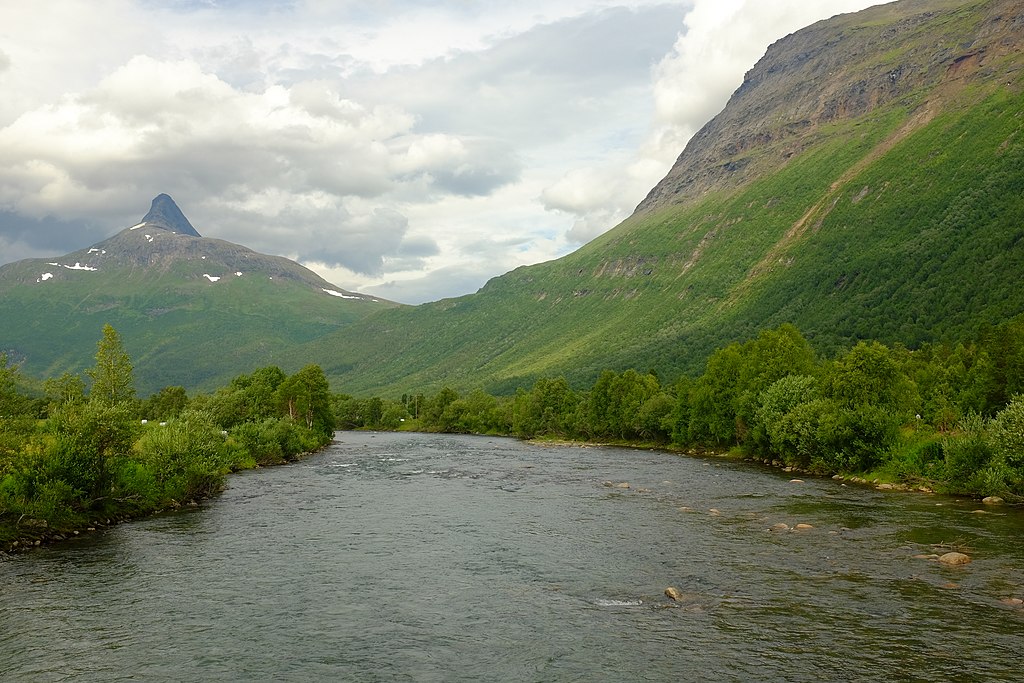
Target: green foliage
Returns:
[[306, 396], [273, 441], [777, 430], [613, 407], [167, 403], [549, 408], [869, 374], [184, 459], [247, 398], [436, 413], [87, 437], [112, 378], [14, 399], [96, 458], [64, 390]]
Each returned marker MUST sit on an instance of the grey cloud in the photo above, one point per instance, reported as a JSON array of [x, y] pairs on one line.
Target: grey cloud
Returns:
[[5, 61], [24, 237], [539, 85], [484, 166], [418, 247], [358, 243], [332, 235]]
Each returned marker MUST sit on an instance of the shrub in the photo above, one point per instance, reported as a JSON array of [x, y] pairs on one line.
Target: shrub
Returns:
[[966, 453]]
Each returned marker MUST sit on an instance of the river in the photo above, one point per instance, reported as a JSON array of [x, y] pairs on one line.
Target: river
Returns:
[[412, 557]]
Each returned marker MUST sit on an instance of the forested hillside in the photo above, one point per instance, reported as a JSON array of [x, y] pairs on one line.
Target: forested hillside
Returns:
[[865, 182]]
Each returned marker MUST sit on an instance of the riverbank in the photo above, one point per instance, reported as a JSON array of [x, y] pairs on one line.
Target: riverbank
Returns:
[[28, 533], [879, 480]]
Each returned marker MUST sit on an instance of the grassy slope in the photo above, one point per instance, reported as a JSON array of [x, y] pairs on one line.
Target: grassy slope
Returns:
[[911, 234]]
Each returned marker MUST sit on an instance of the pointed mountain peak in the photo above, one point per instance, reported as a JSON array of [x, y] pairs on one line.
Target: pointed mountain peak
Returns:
[[164, 213]]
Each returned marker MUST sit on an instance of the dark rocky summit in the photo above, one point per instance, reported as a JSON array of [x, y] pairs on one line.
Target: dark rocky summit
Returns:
[[164, 213]]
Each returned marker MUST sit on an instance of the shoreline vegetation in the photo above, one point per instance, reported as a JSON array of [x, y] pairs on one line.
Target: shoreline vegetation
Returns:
[[943, 418], [72, 462], [946, 417]]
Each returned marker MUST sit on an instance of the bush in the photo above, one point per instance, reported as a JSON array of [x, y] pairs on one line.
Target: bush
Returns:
[[966, 454], [188, 457], [1006, 441]]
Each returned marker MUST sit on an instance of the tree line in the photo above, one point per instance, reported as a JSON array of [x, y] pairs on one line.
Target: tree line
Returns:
[[948, 416], [69, 456]]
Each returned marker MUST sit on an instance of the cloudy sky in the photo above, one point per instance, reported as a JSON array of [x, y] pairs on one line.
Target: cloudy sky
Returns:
[[410, 149]]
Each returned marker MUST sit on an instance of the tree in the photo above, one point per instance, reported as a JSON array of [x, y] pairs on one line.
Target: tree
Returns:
[[64, 390], [306, 396], [433, 410], [112, 378], [167, 403], [11, 402]]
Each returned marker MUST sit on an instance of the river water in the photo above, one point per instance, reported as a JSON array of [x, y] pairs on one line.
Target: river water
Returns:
[[411, 557]]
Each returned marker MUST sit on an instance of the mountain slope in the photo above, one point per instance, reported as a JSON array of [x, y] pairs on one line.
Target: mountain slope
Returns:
[[192, 311], [866, 180]]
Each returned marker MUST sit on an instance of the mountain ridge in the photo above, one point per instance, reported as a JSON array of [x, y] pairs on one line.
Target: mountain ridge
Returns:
[[858, 206], [797, 87], [193, 311]]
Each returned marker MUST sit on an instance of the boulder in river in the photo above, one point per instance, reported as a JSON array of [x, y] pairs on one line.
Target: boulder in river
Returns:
[[992, 500], [781, 526], [803, 526], [674, 593], [954, 559]]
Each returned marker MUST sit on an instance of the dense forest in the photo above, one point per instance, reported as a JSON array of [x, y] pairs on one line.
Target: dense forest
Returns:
[[72, 459]]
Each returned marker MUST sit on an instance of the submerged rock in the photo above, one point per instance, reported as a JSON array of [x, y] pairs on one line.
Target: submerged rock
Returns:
[[954, 559]]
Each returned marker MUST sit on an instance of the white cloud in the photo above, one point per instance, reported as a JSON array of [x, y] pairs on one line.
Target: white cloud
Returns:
[[401, 147]]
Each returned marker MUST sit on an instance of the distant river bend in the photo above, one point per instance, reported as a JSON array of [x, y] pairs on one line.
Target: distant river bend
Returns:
[[411, 557]]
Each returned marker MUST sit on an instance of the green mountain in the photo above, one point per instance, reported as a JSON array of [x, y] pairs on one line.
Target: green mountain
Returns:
[[192, 311], [865, 181]]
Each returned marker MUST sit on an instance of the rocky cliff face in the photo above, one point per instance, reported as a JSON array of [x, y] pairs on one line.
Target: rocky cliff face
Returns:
[[918, 53], [165, 214]]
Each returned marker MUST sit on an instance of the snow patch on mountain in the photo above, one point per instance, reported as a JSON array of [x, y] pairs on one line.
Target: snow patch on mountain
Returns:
[[77, 266], [211, 278], [339, 294]]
